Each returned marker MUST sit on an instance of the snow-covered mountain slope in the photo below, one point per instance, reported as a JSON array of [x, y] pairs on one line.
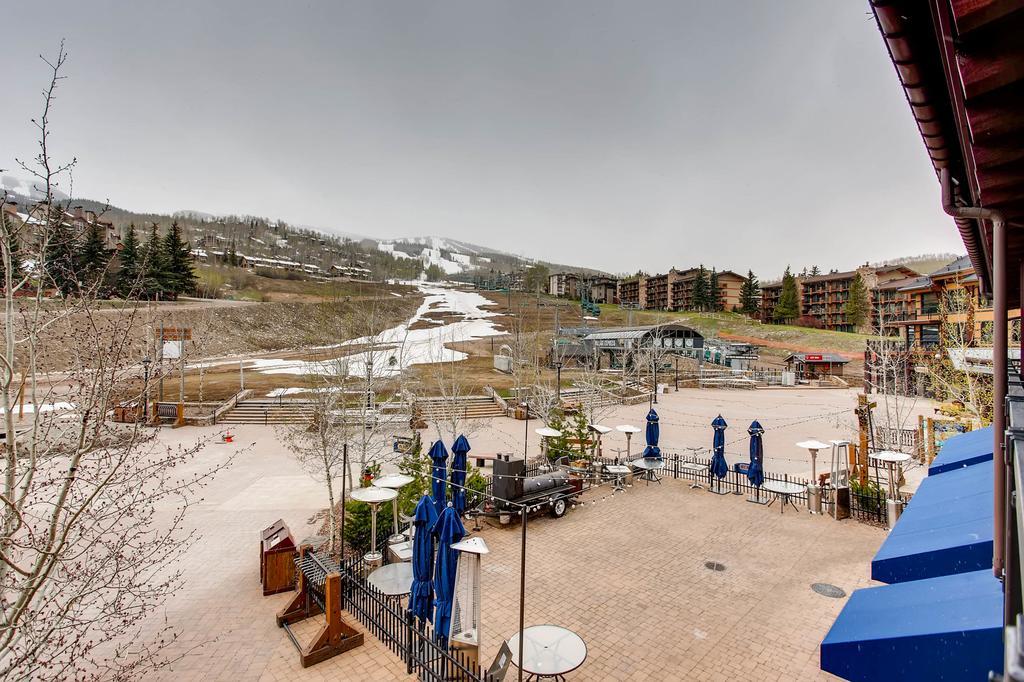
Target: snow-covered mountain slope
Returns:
[[28, 189], [451, 255]]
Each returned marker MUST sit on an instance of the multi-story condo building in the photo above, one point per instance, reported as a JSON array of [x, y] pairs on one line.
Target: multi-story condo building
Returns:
[[633, 290], [564, 284], [603, 289], [824, 297], [770, 295], [674, 290], [924, 309], [890, 306]]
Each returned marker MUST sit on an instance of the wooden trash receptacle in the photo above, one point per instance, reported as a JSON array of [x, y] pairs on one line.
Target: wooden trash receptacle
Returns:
[[277, 558]]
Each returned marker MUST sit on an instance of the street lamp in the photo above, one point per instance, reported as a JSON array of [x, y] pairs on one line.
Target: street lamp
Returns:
[[526, 438], [558, 382], [145, 388], [654, 365]]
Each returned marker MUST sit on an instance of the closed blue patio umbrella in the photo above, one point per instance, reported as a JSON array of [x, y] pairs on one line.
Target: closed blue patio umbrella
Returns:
[[439, 474], [719, 467], [653, 433], [755, 472], [448, 530], [458, 474], [421, 596]]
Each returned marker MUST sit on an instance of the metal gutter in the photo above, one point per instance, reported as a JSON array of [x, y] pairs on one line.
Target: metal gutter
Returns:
[[1000, 351]]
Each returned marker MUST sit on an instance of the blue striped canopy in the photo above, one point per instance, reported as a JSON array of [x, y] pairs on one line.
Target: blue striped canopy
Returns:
[[653, 433], [421, 596], [448, 530], [719, 467], [439, 474], [755, 472], [458, 474]]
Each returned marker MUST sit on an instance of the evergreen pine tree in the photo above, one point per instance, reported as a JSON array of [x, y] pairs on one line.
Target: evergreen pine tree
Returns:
[[181, 279], [60, 262], [131, 255], [92, 258], [815, 271], [750, 292], [232, 255], [856, 307], [714, 293], [788, 307], [154, 267], [14, 251], [700, 298]]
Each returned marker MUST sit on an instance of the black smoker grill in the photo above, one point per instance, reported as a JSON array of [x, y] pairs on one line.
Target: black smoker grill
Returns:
[[554, 489]]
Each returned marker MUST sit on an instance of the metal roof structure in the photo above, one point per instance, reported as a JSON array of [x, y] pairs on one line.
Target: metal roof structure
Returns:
[[626, 333]]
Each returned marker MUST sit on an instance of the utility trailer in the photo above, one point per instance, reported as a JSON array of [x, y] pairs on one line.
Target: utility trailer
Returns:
[[512, 489]]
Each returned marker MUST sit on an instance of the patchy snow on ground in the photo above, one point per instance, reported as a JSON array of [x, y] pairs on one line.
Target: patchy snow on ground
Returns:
[[279, 392], [45, 407], [398, 348]]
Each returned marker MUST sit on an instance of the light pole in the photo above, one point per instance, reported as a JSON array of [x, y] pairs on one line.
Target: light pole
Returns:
[[654, 367], [677, 373], [558, 382], [145, 388], [526, 435]]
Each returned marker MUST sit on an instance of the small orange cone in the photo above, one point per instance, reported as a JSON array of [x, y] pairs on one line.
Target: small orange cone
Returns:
[[227, 437]]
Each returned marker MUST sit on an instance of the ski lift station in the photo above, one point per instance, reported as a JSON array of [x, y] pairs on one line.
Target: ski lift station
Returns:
[[616, 343]]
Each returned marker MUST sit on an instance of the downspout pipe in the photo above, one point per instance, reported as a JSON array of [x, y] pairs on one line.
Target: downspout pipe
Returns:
[[1000, 344]]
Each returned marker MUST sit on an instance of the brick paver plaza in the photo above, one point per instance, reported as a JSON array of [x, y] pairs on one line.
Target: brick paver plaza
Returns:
[[627, 573]]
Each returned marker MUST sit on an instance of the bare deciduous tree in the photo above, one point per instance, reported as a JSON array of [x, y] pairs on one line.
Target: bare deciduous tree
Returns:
[[92, 511]]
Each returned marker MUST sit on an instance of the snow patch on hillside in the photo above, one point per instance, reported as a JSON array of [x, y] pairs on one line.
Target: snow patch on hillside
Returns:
[[398, 348]]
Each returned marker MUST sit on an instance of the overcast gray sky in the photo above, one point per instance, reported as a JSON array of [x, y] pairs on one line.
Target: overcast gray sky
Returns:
[[617, 135]]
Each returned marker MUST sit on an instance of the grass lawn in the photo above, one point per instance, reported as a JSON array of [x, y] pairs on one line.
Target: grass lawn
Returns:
[[736, 326]]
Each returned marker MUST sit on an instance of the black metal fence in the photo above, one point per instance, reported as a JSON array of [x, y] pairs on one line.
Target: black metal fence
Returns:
[[409, 638], [868, 505]]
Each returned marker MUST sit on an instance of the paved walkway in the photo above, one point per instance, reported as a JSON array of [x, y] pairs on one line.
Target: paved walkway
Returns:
[[626, 572]]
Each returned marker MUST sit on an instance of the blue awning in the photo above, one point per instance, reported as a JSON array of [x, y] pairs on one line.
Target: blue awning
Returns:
[[947, 628], [946, 528], [963, 450]]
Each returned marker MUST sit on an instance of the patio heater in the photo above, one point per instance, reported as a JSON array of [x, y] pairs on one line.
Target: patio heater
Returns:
[[839, 478], [464, 634], [813, 489]]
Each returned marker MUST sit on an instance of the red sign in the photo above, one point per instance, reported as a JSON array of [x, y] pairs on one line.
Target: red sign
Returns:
[[812, 358]]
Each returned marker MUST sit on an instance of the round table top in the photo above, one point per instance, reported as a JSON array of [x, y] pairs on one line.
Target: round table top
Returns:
[[548, 650], [373, 495], [617, 469], [393, 481], [548, 432], [783, 487], [626, 428], [394, 580], [600, 428], [891, 457], [650, 463], [812, 445]]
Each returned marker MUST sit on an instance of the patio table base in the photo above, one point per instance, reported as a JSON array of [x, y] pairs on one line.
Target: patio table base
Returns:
[[716, 488]]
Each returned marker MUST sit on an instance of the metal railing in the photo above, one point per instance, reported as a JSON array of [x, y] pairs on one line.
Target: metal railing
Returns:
[[408, 637]]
